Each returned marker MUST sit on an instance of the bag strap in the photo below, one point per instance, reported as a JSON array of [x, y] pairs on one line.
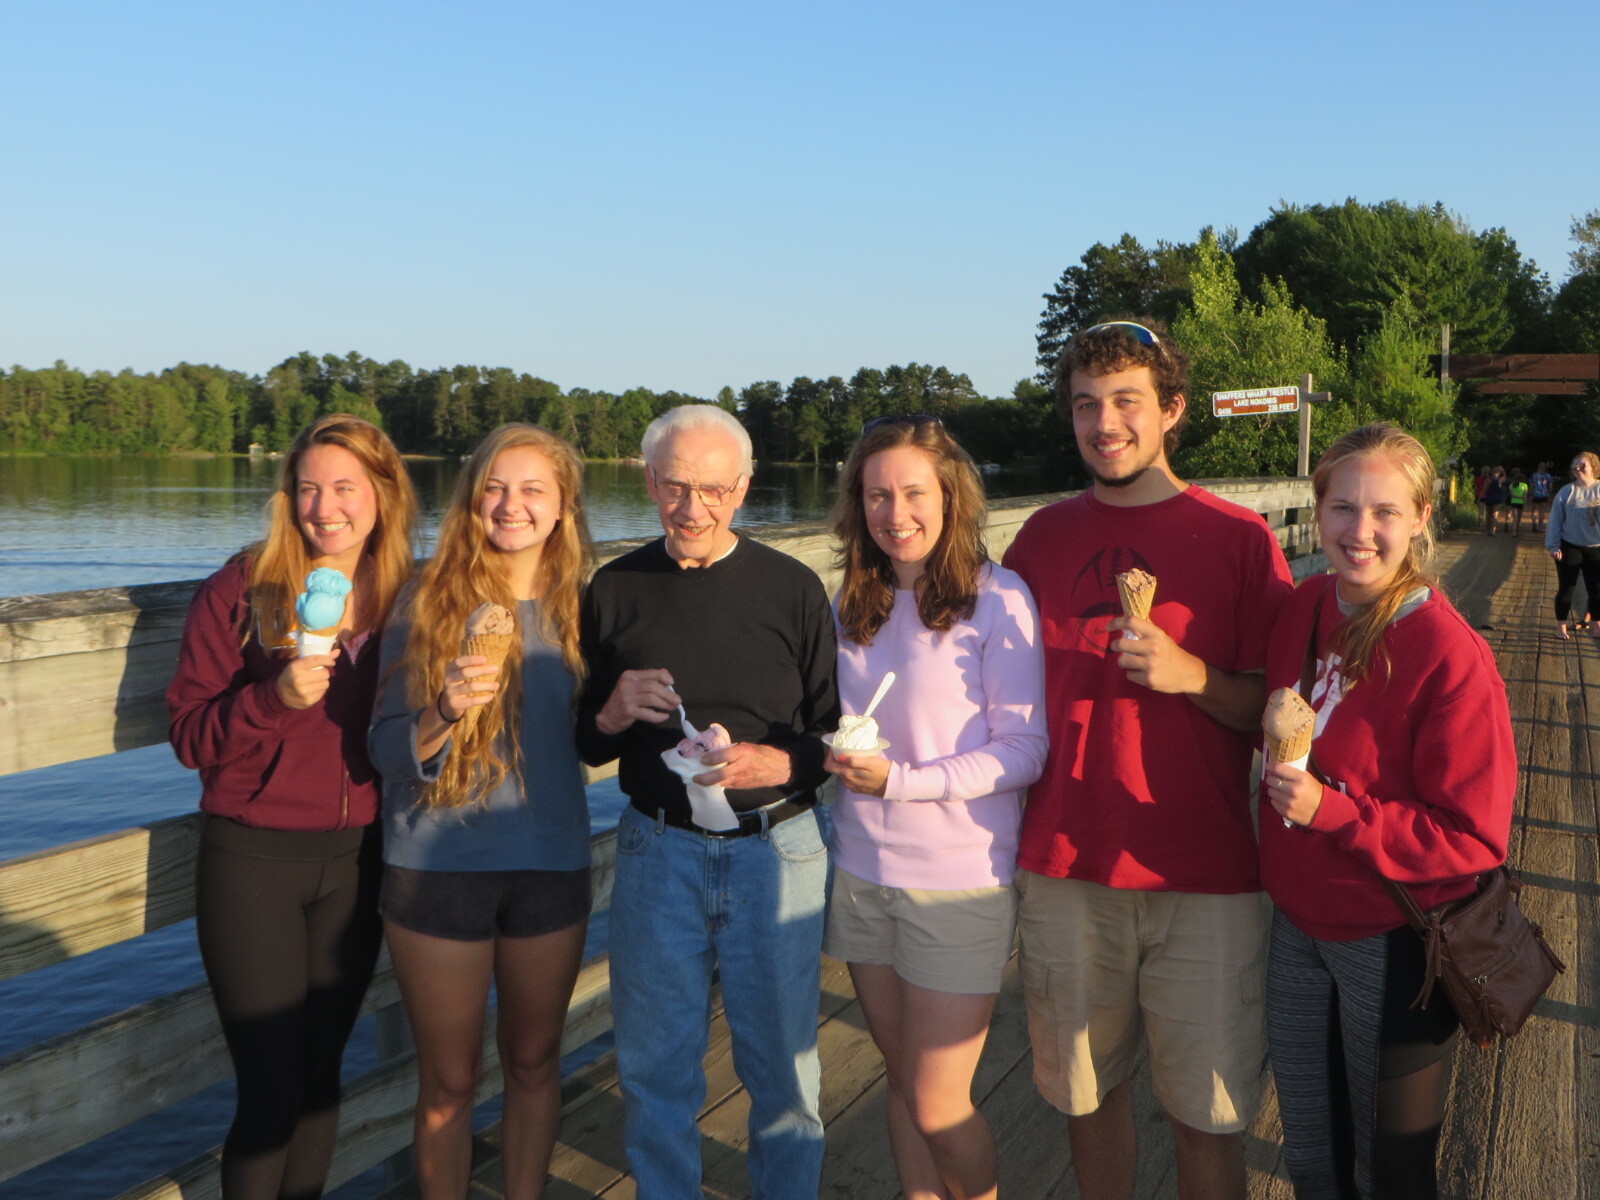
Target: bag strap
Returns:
[[1407, 903]]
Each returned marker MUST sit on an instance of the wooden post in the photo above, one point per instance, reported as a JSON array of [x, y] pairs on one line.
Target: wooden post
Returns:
[[1302, 466], [1302, 462], [1444, 358]]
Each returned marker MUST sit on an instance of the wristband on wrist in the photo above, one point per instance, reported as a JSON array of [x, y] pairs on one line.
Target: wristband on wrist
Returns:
[[438, 707]]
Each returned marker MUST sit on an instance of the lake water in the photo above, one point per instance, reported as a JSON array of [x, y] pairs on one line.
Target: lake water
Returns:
[[72, 523]]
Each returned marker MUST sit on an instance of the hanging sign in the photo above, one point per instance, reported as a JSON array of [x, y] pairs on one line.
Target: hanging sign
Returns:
[[1256, 402]]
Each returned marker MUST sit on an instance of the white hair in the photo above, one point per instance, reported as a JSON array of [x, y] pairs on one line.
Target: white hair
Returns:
[[692, 418]]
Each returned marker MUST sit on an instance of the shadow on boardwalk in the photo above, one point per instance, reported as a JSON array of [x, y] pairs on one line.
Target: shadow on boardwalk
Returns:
[[1524, 1121]]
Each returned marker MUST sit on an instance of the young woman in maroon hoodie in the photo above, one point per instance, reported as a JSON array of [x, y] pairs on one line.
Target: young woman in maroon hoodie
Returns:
[[289, 863], [1414, 734]]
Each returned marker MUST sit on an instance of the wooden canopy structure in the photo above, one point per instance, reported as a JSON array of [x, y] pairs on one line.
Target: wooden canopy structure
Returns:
[[1522, 374]]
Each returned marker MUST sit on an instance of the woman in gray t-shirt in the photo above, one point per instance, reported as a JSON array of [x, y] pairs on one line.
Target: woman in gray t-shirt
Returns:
[[486, 825]]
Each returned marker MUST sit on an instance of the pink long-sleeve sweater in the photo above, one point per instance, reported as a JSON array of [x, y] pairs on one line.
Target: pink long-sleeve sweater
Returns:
[[965, 721]]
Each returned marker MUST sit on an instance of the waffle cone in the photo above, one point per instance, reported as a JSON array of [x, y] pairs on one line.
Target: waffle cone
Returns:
[[1292, 748], [493, 646], [1138, 592]]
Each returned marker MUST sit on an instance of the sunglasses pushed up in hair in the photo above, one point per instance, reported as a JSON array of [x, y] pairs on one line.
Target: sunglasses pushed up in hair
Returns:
[[915, 420], [1132, 328]]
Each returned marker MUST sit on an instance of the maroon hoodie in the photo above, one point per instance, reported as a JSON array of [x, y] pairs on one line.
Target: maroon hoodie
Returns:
[[261, 762]]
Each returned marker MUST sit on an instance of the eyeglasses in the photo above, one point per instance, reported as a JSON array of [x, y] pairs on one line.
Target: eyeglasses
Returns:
[[915, 420], [1135, 330], [712, 495]]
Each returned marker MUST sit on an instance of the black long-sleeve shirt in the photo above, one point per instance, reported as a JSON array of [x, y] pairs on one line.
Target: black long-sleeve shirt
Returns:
[[749, 643]]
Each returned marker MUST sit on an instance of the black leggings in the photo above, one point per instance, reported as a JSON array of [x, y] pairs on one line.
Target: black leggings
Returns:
[[289, 934], [1573, 560]]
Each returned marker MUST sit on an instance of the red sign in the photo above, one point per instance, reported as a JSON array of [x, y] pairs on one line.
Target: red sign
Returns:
[[1256, 402]]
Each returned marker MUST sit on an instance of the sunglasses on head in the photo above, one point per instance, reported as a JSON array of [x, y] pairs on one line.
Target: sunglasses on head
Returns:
[[915, 420], [1134, 330]]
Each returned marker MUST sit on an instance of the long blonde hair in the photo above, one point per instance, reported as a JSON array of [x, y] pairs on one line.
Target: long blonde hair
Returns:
[[466, 571], [280, 561], [948, 589], [1358, 640]]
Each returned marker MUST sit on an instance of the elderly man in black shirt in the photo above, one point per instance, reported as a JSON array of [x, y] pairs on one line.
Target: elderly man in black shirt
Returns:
[[740, 635]]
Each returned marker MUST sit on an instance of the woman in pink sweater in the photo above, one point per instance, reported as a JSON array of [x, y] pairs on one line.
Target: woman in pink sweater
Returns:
[[925, 833], [1414, 735]]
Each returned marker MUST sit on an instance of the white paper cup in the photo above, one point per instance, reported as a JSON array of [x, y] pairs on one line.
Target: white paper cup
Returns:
[[827, 740]]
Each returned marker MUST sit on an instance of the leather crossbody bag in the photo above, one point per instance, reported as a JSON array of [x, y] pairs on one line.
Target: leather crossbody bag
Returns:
[[1492, 961]]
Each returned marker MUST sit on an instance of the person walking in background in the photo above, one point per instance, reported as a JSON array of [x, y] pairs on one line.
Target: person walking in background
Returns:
[[1480, 489], [1415, 771], [1494, 499], [1573, 540], [1540, 487], [925, 833], [286, 889], [486, 821], [710, 627], [1517, 493], [1141, 911]]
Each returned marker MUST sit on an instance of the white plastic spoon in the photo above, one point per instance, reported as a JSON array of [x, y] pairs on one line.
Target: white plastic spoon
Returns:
[[877, 696], [683, 719]]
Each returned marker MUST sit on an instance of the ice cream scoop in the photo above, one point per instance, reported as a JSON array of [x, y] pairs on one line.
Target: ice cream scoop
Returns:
[[856, 733], [704, 742], [321, 605], [319, 609], [490, 620]]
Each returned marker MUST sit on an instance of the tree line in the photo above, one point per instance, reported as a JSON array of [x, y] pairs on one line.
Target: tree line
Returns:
[[1354, 294]]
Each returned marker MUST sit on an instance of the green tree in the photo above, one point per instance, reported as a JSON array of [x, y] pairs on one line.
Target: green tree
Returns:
[[214, 420], [1122, 280], [1392, 380], [1585, 254], [1348, 263], [1236, 343], [341, 399]]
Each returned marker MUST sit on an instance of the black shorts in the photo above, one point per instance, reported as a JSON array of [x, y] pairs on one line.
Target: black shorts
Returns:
[[474, 906]]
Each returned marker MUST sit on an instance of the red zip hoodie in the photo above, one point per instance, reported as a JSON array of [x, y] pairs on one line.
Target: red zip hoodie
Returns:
[[261, 762]]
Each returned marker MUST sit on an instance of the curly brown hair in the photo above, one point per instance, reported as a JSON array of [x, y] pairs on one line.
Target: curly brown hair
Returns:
[[948, 589], [1116, 346]]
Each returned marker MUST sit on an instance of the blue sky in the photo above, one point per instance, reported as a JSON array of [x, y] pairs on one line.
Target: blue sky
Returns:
[[695, 193]]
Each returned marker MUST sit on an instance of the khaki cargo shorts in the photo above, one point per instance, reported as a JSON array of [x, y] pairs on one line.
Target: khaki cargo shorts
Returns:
[[1101, 966]]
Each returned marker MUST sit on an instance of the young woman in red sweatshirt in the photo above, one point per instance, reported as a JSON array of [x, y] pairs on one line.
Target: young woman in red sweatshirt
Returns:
[[289, 864], [1414, 735]]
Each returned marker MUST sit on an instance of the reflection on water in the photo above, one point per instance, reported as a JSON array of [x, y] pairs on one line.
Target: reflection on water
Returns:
[[69, 523]]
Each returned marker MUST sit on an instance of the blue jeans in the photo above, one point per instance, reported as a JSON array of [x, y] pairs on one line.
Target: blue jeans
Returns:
[[682, 905]]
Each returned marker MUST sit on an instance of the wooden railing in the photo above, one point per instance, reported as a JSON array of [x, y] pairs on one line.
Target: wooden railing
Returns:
[[84, 674]]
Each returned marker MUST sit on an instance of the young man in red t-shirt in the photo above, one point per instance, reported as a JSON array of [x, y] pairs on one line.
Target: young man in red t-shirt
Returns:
[[1141, 906]]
